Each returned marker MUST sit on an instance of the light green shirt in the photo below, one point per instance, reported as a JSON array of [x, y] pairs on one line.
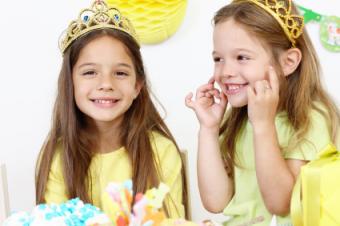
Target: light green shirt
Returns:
[[116, 167], [247, 207]]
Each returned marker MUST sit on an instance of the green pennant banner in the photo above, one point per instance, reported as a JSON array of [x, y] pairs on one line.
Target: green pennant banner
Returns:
[[329, 28], [330, 33]]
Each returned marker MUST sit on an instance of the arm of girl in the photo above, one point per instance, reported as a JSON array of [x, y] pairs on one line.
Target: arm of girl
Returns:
[[275, 175], [215, 187]]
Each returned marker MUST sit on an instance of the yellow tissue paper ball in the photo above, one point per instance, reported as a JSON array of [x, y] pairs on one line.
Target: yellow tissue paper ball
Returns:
[[154, 20]]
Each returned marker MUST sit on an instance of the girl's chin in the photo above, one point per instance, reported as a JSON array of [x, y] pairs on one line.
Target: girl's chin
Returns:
[[237, 104]]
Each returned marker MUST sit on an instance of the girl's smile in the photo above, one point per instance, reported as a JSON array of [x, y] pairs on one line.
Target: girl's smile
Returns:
[[233, 88], [105, 102]]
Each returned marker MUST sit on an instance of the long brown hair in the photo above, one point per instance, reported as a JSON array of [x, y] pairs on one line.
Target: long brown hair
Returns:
[[70, 129], [299, 92]]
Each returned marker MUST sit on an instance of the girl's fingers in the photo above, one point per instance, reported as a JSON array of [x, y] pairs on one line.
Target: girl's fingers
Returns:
[[259, 87], [266, 86], [262, 87], [188, 101], [224, 99], [209, 94], [251, 93], [203, 90], [211, 80], [214, 93]]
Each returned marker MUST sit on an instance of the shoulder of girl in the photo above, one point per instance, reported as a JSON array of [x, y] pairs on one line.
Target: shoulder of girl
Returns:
[[320, 114], [56, 159], [161, 144], [319, 132]]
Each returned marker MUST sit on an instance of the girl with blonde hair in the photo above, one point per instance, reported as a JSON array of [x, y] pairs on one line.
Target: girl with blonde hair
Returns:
[[279, 118]]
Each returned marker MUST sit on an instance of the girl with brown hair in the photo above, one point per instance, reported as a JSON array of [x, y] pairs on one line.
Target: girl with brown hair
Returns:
[[105, 126], [280, 116]]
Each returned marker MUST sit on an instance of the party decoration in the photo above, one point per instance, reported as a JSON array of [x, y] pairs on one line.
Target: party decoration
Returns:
[[154, 20], [291, 23], [73, 212], [98, 16], [146, 210], [125, 209], [309, 15], [329, 28], [316, 198], [330, 33]]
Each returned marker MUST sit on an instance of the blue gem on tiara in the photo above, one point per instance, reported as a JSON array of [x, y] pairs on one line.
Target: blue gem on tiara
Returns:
[[86, 18], [117, 17]]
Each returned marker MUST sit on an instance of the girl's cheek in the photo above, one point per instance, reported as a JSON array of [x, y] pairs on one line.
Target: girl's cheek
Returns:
[[217, 76]]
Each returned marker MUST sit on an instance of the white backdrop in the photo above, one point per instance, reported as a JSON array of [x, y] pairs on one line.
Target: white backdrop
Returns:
[[30, 62]]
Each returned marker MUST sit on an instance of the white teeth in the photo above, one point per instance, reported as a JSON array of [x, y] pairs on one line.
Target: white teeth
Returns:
[[234, 87], [104, 101]]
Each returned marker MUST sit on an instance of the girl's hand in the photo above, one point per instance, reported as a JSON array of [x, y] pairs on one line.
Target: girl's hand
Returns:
[[208, 111], [263, 100]]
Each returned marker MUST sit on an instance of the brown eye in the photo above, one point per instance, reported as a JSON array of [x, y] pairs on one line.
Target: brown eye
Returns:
[[121, 73], [89, 73], [242, 57], [217, 59]]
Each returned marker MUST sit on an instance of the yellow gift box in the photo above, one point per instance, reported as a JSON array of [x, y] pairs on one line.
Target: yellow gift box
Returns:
[[316, 195]]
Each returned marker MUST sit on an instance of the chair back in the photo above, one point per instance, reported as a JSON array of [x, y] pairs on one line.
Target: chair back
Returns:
[[184, 156], [4, 200]]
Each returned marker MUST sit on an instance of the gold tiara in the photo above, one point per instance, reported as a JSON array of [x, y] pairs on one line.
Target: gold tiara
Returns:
[[99, 16], [291, 24]]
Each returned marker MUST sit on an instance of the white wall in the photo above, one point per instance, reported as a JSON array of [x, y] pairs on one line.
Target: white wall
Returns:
[[30, 61]]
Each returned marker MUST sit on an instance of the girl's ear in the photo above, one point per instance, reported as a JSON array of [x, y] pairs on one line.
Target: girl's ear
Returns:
[[139, 86], [290, 60]]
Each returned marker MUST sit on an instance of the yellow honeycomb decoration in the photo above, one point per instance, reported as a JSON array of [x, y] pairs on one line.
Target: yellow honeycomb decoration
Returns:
[[154, 20]]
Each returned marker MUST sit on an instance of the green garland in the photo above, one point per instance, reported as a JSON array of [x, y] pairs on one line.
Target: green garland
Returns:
[[310, 15], [329, 28]]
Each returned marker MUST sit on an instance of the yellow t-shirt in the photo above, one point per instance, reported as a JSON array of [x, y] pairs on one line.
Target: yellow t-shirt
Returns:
[[247, 206], [116, 167]]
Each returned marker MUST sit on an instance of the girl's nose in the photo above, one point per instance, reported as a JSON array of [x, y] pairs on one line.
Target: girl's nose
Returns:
[[106, 82], [228, 70]]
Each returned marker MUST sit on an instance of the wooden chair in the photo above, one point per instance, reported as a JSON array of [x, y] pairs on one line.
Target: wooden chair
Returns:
[[184, 156], [4, 200]]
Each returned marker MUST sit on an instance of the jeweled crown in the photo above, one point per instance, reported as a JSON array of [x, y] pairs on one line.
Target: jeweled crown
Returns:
[[281, 10], [99, 16]]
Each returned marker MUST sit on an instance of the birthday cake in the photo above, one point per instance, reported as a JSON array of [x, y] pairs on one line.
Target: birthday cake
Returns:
[[145, 210], [73, 212]]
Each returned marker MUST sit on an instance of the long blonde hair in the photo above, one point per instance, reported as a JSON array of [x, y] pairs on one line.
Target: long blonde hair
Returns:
[[71, 129], [299, 92]]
